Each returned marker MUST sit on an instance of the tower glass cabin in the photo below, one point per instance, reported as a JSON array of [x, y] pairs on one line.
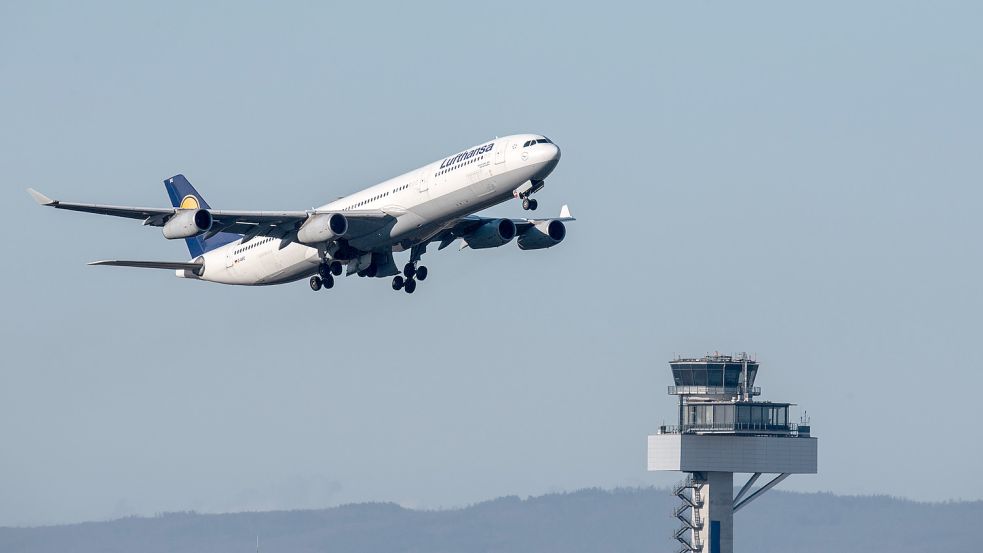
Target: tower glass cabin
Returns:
[[723, 429]]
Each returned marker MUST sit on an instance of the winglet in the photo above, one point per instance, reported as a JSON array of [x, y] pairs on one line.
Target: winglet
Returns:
[[40, 198], [565, 212]]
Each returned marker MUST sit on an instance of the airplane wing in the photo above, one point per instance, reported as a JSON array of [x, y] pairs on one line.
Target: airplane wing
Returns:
[[276, 224], [523, 224], [466, 225], [114, 210]]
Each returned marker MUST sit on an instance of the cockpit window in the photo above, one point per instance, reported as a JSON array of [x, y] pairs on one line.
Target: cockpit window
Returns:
[[537, 141]]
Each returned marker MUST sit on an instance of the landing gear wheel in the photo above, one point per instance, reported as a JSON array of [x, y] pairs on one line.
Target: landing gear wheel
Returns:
[[409, 286], [323, 271], [328, 282], [409, 270], [315, 283], [398, 282], [336, 268], [421, 273], [533, 204], [372, 271], [526, 203]]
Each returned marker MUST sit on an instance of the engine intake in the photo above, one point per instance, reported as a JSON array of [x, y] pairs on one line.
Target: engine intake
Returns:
[[491, 234], [186, 223], [322, 227], [544, 234]]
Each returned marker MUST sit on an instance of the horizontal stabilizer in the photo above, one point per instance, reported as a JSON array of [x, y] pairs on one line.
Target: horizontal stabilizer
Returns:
[[194, 266]]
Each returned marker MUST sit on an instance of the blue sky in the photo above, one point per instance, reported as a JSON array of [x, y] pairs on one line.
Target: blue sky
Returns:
[[800, 181]]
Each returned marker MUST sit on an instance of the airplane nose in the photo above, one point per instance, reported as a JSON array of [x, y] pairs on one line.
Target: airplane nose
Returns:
[[555, 152], [548, 156]]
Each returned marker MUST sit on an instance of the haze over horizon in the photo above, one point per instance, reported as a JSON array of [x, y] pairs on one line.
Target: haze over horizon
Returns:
[[798, 181]]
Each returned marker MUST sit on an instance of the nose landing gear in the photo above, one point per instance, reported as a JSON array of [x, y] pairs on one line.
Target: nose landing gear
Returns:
[[528, 203]]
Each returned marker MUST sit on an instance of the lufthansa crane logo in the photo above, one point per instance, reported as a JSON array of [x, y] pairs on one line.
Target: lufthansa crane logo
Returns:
[[189, 202]]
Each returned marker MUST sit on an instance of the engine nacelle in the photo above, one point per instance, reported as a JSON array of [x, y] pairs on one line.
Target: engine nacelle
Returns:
[[491, 234], [187, 223], [545, 234], [322, 228]]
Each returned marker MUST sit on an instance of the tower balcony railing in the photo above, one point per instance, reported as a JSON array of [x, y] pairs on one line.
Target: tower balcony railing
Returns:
[[789, 429], [710, 390]]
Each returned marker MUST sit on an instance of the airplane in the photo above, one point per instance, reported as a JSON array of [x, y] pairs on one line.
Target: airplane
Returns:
[[358, 233]]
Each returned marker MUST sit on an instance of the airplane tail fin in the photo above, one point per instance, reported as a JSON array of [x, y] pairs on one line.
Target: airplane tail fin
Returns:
[[184, 196]]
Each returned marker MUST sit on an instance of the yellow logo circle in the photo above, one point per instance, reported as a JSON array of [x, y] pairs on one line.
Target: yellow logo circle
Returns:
[[189, 202]]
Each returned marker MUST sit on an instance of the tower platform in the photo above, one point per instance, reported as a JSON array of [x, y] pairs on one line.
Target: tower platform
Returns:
[[701, 453]]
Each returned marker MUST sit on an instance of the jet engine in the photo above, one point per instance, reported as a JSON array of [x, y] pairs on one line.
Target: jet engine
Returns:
[[544, 234], [187, 223], [322, 227], [492, 234]]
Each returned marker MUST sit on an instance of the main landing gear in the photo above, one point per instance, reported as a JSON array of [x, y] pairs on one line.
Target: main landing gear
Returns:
[[317, 282], [325, 275], [528, 203], [407, 280]]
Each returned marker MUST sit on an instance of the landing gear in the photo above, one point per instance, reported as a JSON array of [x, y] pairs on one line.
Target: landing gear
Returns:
[[411, 272], [326, 272], [528, 203], [318, 282]]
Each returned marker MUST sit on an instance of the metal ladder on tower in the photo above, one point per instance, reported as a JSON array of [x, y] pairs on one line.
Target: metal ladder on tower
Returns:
[[691, 502]]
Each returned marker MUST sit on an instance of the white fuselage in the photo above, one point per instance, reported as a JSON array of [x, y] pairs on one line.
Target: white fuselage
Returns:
[[422, 202]]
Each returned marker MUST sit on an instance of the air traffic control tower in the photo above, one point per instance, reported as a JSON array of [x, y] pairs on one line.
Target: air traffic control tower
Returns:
[[723, 429]]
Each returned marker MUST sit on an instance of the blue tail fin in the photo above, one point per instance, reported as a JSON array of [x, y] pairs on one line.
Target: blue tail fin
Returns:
[[184, 195]]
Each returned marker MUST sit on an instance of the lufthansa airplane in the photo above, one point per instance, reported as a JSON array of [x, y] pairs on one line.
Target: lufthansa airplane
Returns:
[[357, 234]]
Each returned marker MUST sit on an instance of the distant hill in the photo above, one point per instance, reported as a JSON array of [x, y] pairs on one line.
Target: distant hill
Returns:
[[624, 520]]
